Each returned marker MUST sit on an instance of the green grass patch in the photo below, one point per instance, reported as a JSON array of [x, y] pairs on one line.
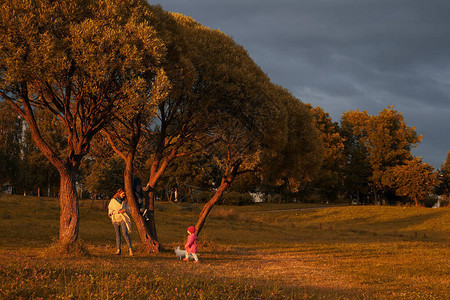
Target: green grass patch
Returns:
[[267, 251]]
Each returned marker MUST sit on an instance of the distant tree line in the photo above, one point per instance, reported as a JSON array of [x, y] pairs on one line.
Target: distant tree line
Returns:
[[347, 172], [369, 160], [111, 90]]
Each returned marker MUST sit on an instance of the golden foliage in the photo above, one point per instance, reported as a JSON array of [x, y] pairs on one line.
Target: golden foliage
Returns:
[[414, 179]]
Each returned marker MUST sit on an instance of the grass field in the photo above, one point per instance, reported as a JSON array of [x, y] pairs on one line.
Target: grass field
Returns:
[[263, 251]]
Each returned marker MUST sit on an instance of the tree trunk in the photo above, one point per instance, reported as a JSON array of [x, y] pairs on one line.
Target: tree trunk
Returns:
[[150, 220], [280, 200], [156, 171], [69, 215], [209, 205], [145, 224], [229, 176], [148, 239]]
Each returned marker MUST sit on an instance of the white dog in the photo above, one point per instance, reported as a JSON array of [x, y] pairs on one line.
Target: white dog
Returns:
[[180, 253]]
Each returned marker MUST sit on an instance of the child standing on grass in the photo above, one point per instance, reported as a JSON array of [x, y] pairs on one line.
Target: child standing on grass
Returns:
[[191, 245], [118, 211]]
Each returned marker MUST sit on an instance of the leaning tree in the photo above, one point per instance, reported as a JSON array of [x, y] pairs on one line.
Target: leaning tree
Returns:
[[79, 60], [226, 106], [221, 100], [208, 86]]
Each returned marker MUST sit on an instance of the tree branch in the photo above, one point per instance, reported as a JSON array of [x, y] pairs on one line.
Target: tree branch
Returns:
[[113, 146]]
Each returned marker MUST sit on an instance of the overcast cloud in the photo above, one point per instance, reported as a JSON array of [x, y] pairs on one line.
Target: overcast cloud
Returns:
[[348, 54]]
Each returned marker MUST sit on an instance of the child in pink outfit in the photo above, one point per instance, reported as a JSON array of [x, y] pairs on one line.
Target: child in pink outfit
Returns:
[[191, 244]]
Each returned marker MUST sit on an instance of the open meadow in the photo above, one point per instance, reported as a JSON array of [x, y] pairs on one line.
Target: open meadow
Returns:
[[261, 251]]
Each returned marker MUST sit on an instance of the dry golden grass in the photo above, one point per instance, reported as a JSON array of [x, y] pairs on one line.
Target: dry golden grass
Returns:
[[246, 253]]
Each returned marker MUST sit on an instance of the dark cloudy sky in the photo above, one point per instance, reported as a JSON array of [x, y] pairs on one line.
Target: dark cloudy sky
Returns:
[[348, 54]]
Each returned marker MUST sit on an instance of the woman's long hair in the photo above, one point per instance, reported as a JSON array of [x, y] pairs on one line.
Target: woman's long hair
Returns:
[[117, 194]]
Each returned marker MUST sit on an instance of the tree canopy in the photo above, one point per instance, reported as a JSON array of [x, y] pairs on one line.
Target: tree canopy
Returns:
[[329, 179], [413, 179], [81, 61], [444, 172], [378, 150]]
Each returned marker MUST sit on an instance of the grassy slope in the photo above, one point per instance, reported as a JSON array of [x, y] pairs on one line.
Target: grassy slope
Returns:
[[246, 252]]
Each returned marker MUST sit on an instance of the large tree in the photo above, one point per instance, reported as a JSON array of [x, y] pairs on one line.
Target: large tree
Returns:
[[389, 142], [299, 156], [329, 179], [79, 60], [413, 179], [356, 168], [384, 139], [217, 90], [240, 114], [232, 110]]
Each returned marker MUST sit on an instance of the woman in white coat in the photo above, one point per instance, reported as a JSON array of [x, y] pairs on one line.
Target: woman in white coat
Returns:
[[118, 211]]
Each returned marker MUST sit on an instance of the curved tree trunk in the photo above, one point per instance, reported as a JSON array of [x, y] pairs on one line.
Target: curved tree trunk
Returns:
[[69, 215], [209, 205], [144, 225], [230, 174], [148, 238]]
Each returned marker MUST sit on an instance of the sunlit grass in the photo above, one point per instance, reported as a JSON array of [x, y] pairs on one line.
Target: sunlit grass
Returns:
[[350, 252]]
